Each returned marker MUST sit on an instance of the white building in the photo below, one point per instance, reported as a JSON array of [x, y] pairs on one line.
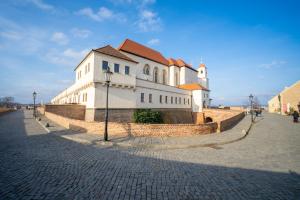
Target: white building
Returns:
[[142, 78]]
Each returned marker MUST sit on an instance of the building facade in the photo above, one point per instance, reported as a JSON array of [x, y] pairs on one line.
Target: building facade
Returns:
[[142, 78], [286, 101]]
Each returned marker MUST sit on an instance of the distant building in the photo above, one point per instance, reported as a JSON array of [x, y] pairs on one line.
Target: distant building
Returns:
[[143, 78], [286, 100]]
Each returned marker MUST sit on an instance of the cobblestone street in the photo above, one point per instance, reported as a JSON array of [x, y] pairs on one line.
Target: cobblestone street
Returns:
[[35, 164]]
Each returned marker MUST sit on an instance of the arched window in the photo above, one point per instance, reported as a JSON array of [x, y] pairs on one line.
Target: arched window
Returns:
[[146, 69], [155, 75], [164, 77]]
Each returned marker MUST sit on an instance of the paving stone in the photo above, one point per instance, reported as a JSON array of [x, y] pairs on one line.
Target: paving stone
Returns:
[[35, 164]]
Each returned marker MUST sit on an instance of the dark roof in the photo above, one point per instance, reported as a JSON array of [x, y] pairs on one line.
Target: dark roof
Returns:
[[137, 49], [109, 50]]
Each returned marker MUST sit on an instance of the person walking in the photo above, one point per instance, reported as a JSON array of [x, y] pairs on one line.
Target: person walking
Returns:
[[295, 116]]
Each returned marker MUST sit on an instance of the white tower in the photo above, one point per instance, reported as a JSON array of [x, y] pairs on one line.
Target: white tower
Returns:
[[202, 75]]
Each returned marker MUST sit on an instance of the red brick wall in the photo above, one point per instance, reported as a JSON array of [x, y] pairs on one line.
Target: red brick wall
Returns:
[[133, 128], [226, 119]]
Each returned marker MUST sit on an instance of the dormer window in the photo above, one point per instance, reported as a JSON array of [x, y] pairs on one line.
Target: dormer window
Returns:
[[146, 69]]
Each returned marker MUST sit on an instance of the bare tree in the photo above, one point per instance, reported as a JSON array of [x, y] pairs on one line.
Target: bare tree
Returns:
[[7, 101]]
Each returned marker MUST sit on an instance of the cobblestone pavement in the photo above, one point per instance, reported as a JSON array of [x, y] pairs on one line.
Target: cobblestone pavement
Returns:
[[35, 164]]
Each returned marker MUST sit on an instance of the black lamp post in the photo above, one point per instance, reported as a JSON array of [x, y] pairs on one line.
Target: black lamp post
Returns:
[[251, 106], [279, 99], [210, 102], [34, 97], [107, 76]]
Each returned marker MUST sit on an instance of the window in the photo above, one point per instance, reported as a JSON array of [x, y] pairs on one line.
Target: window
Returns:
[[150, 98], [188, 101], [179, 100], [171, 100], [175, 100], [88, 67], [166, 99], [160, 98], [116, 68], [126, 70], [85, 69], [164, 77], [201, 71], [142, 97], [184, 101], [146, 69], [155, 75], [104, 65]]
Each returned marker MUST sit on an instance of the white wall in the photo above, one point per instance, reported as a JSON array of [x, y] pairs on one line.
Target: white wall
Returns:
[[117, 97], [188, 75], [152, 64], [173, 71], [118, 78], [156, 90]]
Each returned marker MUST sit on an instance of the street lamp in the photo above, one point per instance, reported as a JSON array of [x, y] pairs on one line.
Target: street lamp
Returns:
[[107, 76], [251, 106], [34, 97], [279, 99]]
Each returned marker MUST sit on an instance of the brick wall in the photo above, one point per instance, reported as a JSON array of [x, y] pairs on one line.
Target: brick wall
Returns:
[[134, 129], [226, 119], [67, 110], [170, 116]]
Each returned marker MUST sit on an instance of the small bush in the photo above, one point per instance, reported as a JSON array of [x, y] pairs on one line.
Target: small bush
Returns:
[[147, 116]]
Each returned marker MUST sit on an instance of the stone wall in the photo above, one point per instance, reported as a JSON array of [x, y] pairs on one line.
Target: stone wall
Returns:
[[72, 111], [133, 129], [226, 119]]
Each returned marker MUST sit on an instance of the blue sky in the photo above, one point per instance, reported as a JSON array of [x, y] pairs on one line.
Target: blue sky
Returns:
[[248, 46]]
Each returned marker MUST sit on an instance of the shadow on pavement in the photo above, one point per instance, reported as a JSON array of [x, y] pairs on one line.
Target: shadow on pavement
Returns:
[[36, 165]]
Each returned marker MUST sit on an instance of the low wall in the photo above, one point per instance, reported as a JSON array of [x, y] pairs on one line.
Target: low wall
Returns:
[[226, 119], [72, 111], [134, 129], [170, 116]]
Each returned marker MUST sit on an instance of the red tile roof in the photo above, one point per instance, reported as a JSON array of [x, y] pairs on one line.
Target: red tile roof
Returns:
[[202, 65], [137, 49], [109, 50], [180, 63], [172, 61], [192, 86]]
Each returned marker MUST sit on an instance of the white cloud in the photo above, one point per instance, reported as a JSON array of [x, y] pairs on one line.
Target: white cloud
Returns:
[[81, 33], [68, 57], [102, 14], [41, 4], [154, 41], [149, 21], [60, 38], [273, 64], [75, 54], [138, 2]]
